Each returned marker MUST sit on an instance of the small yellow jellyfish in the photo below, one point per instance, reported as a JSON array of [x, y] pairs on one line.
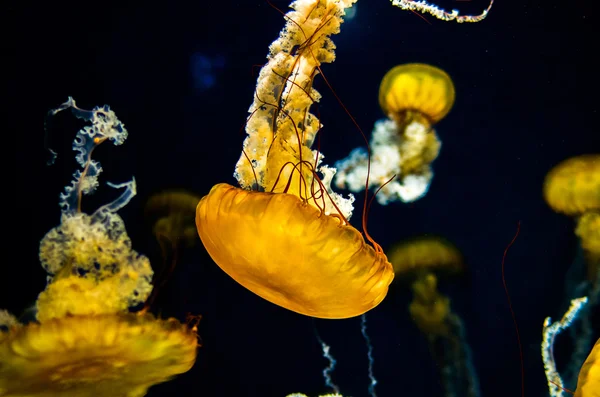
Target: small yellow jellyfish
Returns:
[[86, 341], [284, 235], [588, 384], [416, 90], [426, 254], [414, 97], [573, 188], [420, 261]]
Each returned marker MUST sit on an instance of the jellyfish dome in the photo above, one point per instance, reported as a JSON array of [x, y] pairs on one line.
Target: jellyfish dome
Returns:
[[291, 254], [573, 186], [416, 87]]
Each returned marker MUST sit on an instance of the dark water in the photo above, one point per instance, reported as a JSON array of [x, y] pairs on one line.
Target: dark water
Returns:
[[181, 77]]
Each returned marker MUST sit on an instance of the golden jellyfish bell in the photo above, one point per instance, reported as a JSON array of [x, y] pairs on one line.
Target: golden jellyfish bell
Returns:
[[426, 254], [573, 186], [94, 356], [416, 87], [588, 384], [291, 254]]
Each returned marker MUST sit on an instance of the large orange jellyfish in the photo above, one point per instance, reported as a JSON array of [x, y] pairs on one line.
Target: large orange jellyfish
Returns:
[[414, 97], [285, 234], [87, 341]]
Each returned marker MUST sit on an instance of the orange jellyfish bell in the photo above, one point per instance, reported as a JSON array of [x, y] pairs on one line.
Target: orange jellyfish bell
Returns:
[[121, 354], [588, 384], [416, 87], [290, 254], [284, 235]]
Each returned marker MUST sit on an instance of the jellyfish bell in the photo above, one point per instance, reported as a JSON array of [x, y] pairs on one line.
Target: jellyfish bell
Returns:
[[104, 355], [573, 186], [588, 383], [291, 254], [416, 90], [422, 255]]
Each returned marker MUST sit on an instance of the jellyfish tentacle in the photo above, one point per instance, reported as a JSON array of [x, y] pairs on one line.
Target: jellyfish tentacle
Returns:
[[423, 6]]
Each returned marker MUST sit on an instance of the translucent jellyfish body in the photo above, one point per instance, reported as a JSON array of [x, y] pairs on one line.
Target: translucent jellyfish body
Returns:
[[291, 254], [285, 234]]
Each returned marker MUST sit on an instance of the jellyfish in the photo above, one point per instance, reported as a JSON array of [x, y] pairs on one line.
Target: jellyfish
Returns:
[[414, 97], [284, 234], [588, 384], [172, 215], [87, 339], [573, 188], [421, 262]]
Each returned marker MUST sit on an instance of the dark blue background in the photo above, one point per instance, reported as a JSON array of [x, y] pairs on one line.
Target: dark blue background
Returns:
[[181, 76]]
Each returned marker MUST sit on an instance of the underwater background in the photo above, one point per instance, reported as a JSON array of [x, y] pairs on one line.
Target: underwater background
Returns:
[[181, 76]]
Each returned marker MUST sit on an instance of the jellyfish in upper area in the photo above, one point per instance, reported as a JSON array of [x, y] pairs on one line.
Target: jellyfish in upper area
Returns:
[[421, 262], [172, 216], [285, 234], [414, 97], [87, 340]]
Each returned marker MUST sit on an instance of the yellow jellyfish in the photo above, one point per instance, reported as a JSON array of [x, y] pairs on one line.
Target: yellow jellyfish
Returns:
[[573, 188], [172, 215], [87, 341], [285, 235], [94, 355], [414, 97], [416, 90], [420, 261], [588, 384]]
